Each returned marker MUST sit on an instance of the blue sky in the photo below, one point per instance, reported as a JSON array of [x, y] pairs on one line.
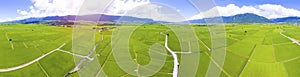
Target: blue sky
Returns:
[[9, 8], [188, 10], [287, 3]]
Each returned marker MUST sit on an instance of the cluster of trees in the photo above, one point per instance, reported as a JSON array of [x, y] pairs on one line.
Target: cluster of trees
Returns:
[[57, 23]]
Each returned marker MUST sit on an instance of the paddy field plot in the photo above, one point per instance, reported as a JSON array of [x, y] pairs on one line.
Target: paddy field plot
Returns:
[[253, 50]]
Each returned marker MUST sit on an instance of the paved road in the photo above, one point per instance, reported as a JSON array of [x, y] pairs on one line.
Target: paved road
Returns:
[[31, 62], [176, 64]]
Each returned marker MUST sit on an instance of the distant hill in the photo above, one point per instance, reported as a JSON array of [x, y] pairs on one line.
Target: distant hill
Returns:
[[111, 19], [288, 20], [239, 18], [69, 19]]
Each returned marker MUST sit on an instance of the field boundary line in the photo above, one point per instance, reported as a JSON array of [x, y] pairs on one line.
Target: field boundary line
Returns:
[[36, 46], [275, 58], [295, 58], [264, 40], [31, 62], [6, 36], [243, 39], [231, 51], [285, 70], [287, 43], [101, 69], [121, 75], [138, 65], [75, 54], [234, 38], [244, 66], [43, 69], [221, 68], [25, 45], [204, 44], [11, 43], [104, 63]]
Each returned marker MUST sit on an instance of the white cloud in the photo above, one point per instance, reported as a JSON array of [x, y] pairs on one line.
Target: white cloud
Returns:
[[120, 7], [11, 19], [42, 8], [276, 11], [22, 12], [267, 10], [144, 9], [157, 12]]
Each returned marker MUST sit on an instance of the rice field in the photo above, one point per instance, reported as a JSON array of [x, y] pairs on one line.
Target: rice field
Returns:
[[252, 50]]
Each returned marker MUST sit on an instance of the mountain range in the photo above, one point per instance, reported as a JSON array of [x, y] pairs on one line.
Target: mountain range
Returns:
[[288, 20], [111, 19], [239, 18], [71, 19]]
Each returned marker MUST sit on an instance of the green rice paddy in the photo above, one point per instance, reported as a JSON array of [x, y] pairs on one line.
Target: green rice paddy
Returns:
[[253, 50]]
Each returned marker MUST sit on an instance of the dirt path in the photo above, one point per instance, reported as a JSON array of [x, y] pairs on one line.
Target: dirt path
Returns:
[[31, 62]]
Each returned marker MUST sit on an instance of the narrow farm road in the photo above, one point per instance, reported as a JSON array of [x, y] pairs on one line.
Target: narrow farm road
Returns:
[[75, 54], [31, 62], [292, 39], [175, 66]]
